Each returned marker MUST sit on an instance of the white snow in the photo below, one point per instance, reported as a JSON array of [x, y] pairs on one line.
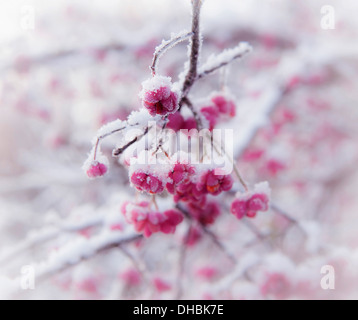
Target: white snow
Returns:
[[228, 55]]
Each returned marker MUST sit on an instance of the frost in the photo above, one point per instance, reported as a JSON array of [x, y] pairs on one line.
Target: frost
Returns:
[[110, 128], [154, 84], [263, 188], [140, 118], [214, 62]]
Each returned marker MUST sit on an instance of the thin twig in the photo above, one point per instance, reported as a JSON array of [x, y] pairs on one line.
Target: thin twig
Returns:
[[166, 45], [203, 73], [283, 214], [218, 243], [182, 256], [210, 234], [117, 152], [103, 137], [196, 115]]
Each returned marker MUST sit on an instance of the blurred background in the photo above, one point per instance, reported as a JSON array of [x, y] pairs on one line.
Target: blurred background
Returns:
[[67, 68]]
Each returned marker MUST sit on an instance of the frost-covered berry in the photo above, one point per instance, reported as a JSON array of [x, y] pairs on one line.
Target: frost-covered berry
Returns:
[[258, 202], [239, 208], [158, 96], [144, 219], [212, 115], [188, 192], [148, 221], [178, 175], [224, 105], [215, 184], [96, 169], [249, 203], [147, 182]]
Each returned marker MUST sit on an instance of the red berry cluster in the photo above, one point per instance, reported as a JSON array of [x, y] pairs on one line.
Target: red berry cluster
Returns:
[[148, 221]]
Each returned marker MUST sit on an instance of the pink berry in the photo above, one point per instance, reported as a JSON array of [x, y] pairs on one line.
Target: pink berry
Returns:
[[147, 221], [96, 170], [274, 166], [224, 105], [158, 97], [215, 184], [188, 192], [147, 182], [161, 285], [131, 277], [239, 208], [178, 175], [173, 218], [248, 204], [190, 124], [176, 121], [211, 114], [258, 202]]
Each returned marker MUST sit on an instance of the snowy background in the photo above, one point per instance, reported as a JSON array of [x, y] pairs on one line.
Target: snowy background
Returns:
[[296, 127]]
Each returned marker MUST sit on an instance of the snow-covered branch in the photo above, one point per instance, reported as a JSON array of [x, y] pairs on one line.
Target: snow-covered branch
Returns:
[[216, 62]]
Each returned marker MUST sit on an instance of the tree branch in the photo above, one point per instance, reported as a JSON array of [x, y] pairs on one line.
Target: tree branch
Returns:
[[196, 115], [195, 49]]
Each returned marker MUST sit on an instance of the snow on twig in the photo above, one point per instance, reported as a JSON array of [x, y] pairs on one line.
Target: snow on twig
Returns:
[[167, 45], [215, 62]]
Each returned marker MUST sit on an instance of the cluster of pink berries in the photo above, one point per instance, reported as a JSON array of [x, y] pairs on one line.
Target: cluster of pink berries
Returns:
[[96, 170], [158, 96], [190, 185], [249, 203], [148, 221], [221, 108], [187, 186]]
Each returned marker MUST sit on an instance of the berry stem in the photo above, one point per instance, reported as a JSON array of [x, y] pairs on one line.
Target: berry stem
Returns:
[[154, 201]]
